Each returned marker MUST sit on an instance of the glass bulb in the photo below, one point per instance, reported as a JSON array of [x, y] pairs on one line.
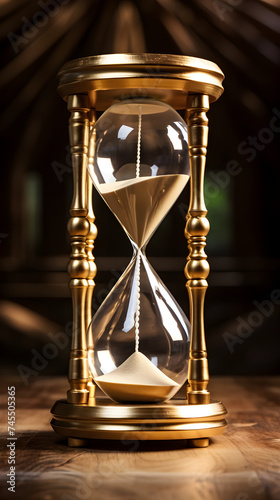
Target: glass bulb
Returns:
[[139, 338]]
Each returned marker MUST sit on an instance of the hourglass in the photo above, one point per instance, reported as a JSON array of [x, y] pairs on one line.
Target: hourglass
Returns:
[[138, 369]]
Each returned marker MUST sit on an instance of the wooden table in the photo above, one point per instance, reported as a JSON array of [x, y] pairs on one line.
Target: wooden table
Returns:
[[242, 464]]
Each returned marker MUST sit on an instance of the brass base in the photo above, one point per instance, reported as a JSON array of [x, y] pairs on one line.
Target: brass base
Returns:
[[103, 419]]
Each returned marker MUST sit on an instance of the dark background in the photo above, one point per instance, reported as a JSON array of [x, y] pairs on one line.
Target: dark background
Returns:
[[242, 37]]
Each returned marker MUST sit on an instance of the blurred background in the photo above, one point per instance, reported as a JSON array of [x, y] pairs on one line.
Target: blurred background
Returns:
[[241, 187]]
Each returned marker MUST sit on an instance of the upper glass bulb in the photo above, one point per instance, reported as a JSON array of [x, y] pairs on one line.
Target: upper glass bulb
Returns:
[[140, 139]]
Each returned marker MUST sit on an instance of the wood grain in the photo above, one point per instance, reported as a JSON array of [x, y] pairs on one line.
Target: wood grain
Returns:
[[242, 464]]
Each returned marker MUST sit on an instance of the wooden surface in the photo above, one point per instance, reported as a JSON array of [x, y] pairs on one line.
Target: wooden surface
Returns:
[[242, 464]]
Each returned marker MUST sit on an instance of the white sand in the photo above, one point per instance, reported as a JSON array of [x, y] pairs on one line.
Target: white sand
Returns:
[[137, 379], [141, 203], [108, 187]]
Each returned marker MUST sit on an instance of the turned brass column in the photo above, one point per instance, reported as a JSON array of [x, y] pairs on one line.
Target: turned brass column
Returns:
[[79, 228], [92, 233], [197, 267]]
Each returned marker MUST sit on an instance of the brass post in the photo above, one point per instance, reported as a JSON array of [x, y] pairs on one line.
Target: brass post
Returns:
[[89, 248], [197, 267], [79, 228]]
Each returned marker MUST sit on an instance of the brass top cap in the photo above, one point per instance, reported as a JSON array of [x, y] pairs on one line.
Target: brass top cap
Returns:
[[111, 77]]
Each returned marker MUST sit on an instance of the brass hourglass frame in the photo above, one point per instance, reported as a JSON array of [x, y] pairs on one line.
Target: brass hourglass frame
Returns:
[[91, 85]]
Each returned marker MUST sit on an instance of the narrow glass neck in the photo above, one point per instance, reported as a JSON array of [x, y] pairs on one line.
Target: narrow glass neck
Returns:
[[137, 249]]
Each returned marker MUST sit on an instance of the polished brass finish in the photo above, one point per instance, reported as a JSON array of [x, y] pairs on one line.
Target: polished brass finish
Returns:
[[91, 236], [103, 419], [170, 78], [198, 443], [79, 228], [93, 84], [197, 267]]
